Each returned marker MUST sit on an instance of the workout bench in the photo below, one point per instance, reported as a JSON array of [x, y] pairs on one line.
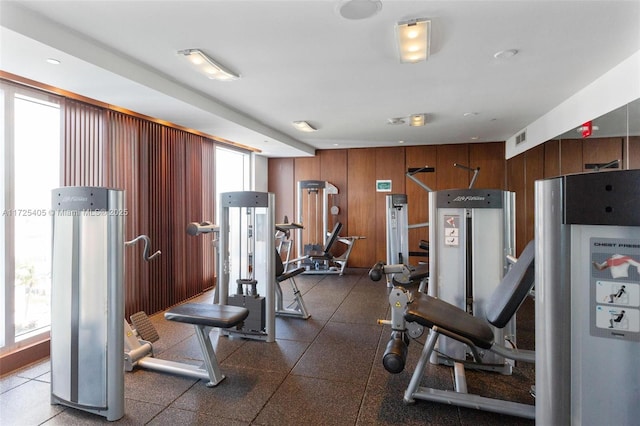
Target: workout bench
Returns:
[[204, 317]]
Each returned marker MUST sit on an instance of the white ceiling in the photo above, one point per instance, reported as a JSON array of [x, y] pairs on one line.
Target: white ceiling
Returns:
[[301, 60]]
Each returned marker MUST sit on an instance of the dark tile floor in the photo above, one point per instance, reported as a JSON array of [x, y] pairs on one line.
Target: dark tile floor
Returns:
[[323, 371]]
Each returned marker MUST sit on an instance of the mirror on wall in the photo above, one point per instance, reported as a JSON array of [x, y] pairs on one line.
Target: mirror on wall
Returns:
[[621, 122], [614, 136]]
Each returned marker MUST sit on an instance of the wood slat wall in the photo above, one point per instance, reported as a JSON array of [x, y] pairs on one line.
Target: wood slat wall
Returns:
[[168, 176]]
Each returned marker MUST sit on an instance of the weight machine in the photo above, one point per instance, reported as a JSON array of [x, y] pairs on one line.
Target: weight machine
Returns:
[[247, 250], [313, 239], [397, 227], [315, 217], [472, 234], [588, 298], [411, 313], [90, 348]]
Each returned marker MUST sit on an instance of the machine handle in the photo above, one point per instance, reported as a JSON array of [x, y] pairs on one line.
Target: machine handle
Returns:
[[206, 227], [147, 243]]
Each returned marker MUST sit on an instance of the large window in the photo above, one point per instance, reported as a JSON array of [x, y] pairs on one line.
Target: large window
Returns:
[[232, 172], [30, 169]]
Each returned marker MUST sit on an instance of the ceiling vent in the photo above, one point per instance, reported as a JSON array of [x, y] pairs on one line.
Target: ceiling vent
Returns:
[[521, 137]]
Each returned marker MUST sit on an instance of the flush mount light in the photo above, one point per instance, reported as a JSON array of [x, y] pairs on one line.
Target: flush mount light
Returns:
[[304, 126], [208, 66], [417, 120], [505, 54], [414, 39]]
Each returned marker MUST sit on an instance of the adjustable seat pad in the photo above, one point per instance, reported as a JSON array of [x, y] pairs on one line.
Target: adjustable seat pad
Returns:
[[419, 272], [209, 315], [429, 311]]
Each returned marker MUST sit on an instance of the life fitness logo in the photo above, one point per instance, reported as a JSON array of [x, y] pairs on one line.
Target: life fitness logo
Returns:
[[461, 198]]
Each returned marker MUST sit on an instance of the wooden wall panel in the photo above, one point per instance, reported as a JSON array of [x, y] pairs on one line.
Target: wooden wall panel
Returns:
[[282, 183], [516, 183], [448, 176], [418, 197], [389, 166], [601, 151], [571, 156], [355, 171], [490, 158], [333, 169], [83, 144], [361, 175], [308, 168], [552, 158], [634, 152]]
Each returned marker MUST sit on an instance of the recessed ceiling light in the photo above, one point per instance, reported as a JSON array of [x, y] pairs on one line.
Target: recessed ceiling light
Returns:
[[400, 141], [474, 138], [505, 54], [53, 61], [470, 114]]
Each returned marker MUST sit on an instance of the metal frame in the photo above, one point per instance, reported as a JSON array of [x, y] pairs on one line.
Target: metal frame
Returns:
[[460, 397], [264, 230], [139, 353], [87, 275]]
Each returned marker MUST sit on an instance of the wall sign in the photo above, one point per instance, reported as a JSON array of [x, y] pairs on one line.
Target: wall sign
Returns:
[[383, 185]]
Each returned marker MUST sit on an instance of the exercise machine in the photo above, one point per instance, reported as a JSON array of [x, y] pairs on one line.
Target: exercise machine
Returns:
[[472, 235], [87, 300], [247, 250], [202, 228], [417, 311], [398, 240], [313, 235], [88, 339], [587, 309], [297, 307], [138, 340], [312, 212], [395, 354]]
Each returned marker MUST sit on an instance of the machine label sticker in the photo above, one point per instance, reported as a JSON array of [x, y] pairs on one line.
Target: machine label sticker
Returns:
[[615, 288], [451, 230]]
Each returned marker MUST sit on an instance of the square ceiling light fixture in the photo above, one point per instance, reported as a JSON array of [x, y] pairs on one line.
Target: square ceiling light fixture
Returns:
[[417, 120], [414, 39], [208, 66]]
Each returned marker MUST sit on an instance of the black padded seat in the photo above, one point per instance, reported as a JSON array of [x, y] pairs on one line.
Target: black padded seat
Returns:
[[208, 315], [450, 320], [281, 275], [333, 237]]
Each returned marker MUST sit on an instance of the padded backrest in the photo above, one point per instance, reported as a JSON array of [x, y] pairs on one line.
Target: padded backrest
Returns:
[[279, 265], [513, 289], [332, 237]]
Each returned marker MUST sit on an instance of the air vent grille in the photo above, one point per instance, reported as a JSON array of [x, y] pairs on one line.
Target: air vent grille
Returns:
[[522, 137]]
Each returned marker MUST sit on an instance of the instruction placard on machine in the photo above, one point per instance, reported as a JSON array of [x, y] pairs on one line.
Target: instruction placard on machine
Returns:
[[452, 230], [615, 288]]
